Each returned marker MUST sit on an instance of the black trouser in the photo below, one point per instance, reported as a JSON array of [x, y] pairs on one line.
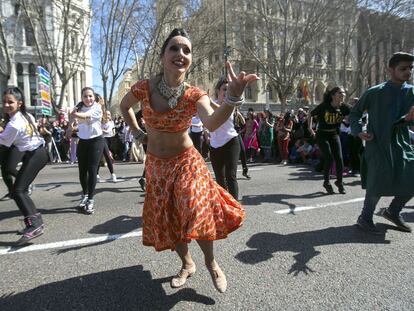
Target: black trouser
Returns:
[[107, 157], [196, 138], [355, 151], [224, 161], [9, 158], [33, 162], [243, 155], [89, 154], [330, 146]]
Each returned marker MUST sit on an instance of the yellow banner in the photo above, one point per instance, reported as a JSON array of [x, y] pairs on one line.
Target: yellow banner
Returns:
[[45, 96]]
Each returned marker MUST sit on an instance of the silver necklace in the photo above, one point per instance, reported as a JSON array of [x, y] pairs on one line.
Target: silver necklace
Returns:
[[171, 94]]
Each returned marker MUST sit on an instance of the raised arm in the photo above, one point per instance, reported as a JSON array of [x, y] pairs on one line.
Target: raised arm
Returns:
[[213, 119]]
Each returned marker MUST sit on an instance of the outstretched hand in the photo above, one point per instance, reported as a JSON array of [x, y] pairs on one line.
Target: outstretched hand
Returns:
[[238, 83]]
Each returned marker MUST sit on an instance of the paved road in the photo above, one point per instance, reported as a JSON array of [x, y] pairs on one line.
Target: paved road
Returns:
[[298, 250]]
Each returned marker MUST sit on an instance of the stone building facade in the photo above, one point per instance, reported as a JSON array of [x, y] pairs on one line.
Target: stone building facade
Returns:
[[332, 58], [24, 57]]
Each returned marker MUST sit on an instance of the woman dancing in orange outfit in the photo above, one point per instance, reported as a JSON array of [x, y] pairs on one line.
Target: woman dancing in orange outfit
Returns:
[[182, 201]]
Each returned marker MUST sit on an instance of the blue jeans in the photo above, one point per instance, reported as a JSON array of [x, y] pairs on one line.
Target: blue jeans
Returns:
[[371, 202]]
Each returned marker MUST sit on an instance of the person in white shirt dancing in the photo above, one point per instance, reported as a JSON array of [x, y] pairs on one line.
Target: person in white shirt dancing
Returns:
[[21, 132], [90, 146], [108, 127], [225, 147], [196, 130]]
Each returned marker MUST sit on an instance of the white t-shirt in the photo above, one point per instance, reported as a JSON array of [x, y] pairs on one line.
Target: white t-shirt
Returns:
[[21, 133], [196, 125], [90, 128], [223, 134], [345, 129], [108, 128]]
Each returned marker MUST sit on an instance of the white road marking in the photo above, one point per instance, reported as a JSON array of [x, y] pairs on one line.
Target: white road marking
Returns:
[[60, 244], [321, 205]]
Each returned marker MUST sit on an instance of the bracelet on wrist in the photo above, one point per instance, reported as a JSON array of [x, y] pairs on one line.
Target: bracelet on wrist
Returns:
[[234, 101]]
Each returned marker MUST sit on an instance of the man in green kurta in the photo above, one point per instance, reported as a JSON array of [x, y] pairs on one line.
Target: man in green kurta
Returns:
[[388, 163]]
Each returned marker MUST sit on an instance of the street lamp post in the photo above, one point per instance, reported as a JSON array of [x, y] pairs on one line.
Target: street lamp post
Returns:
[[225, 37]]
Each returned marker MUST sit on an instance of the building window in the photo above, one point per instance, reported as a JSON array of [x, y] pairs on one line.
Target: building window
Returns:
[[33, 84], [308, 56], [248, 92], [29, 34], [329, 58], [16, 9], [19, 71], [270, 92], [318, 58]]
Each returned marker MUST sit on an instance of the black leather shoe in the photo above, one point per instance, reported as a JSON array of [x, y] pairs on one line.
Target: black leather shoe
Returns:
[[328, 188], [396, 220], [245, 170], [142, 183], [368, 226], [340, 186]]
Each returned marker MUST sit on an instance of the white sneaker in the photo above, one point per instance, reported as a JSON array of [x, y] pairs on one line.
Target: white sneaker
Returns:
[[114, 178], [89, 207], [83, 200], [98, 178]]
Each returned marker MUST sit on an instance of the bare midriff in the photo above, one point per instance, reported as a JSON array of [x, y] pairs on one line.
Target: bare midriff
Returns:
[[165, 144]]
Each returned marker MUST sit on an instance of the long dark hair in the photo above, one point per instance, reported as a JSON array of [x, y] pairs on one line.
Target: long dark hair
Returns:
[[287, 118], [18, 95], [327, 96], [176, 32]]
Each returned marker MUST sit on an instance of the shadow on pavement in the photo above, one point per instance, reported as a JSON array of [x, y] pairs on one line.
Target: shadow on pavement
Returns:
[[17, 213], [130, 288], [279, 199], [264, 245]]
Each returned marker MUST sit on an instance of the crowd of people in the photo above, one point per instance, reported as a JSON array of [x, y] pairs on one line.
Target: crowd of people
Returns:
[[286, 138], [179, 127], [61, 139]]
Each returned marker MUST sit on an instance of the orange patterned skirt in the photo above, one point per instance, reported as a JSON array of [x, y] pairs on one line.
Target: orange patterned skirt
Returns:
[[183, 202]]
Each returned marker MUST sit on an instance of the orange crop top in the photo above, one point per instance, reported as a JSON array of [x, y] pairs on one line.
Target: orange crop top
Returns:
[[175, 120]]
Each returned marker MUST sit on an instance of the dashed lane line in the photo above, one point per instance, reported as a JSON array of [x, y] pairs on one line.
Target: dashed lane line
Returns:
[[321, 205], [62, 244]]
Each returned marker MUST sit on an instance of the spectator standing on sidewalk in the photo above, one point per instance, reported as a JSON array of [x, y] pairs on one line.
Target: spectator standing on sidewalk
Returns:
[[388, 163]]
